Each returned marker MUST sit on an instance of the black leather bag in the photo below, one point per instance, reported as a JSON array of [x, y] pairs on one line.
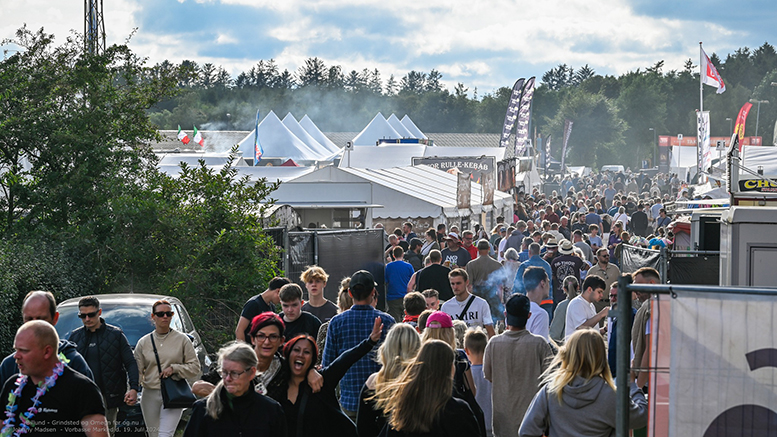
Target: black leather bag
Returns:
[[175, 393]]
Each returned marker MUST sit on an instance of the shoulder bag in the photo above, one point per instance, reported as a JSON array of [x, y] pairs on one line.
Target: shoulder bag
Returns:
[[175, 393]]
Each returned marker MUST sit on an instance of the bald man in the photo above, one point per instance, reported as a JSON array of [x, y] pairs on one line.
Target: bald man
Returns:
[[41, 305], [71, 404]]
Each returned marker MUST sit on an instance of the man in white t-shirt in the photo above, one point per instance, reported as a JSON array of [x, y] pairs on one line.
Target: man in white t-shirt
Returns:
[[581, 313], [465, 306], [537, 284]]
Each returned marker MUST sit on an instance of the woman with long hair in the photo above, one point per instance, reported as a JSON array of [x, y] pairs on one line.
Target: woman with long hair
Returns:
[[234, 407], [578, 397], [430, 242], [176, 356], [420, 401], [400, 347], [309, 414], [439, 326]]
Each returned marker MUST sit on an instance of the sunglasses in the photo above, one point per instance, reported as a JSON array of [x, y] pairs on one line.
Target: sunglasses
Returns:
[[164, 313], [90, 315]]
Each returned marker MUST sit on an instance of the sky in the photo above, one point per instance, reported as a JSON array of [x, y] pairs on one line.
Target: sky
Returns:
[[484, 44]]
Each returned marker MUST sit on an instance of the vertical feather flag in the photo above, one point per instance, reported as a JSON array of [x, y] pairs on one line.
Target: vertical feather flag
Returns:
[[258, 151]]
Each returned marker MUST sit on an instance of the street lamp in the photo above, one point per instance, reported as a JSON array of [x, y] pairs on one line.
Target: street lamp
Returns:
[[730, 126], [655, 143], [758, 112]]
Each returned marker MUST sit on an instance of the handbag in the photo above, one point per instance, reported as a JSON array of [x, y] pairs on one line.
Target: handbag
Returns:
[[175, 393]]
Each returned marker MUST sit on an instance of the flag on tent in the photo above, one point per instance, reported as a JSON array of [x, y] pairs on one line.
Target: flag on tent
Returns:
[[258, 150], [709, 74], [182, 137], [198, 137], [739, 127]]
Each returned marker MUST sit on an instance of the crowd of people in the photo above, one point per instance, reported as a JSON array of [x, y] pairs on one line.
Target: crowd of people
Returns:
[[507, 332]]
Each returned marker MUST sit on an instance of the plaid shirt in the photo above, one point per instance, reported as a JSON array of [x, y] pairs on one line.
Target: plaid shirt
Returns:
[[345, 331]]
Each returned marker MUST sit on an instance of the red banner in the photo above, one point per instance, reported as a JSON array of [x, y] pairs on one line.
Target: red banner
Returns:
[[739, 127]]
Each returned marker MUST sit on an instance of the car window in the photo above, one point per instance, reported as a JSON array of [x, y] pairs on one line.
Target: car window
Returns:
[[134, 321], [185, 319]]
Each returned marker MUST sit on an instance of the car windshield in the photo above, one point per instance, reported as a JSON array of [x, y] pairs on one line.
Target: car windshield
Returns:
[[134, 321]]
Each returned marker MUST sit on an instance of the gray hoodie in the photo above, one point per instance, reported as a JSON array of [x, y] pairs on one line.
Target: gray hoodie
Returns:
[[587, 409]]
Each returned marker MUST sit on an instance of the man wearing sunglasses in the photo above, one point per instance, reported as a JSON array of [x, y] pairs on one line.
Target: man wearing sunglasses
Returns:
[[41, 305], [110, 357]]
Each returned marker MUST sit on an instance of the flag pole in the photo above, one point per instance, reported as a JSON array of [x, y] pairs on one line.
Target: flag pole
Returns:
[[701, 109]]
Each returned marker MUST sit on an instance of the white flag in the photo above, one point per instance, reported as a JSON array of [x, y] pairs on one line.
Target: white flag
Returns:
[[709, 74]]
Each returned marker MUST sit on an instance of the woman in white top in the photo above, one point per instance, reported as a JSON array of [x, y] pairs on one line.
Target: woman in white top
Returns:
[[177, 359], [621, 216]]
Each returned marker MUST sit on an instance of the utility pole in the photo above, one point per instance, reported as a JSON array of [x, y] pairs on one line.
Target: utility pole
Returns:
[[758, 112], [94, 27]]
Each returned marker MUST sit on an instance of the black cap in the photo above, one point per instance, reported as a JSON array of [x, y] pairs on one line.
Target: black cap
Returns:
[[363, 279], [415, 242], [517, 308]]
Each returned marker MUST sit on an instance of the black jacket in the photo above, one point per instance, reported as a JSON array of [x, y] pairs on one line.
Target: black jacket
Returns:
[[249, 415], [435, 276], [116, 361], [322, 416]]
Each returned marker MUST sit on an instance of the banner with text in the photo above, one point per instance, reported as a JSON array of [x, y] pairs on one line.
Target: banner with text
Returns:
[[567, 131], [512, 113], [524, 116], [703, 140]]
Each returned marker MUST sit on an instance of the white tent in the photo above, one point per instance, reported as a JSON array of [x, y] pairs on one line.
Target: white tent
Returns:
[[759, 156], [409, 125], [405, 192], [291, 123], [377, 129], [383, 156], [316, 133], [278, 142], [399, 127], [193, 159]]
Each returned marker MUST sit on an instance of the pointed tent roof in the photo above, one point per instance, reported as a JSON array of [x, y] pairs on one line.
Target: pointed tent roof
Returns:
[[316, 133], [399, 127], [378, 129], [277, 142], [409, 125], [291, 123], [290, 163]]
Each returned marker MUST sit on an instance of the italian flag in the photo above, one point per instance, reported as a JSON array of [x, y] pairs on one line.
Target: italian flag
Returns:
[[198, 137], [182, 136]]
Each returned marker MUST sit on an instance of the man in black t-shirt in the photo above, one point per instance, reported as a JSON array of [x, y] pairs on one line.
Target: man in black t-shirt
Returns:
[[296, 321], [73, 405], [258, 304]]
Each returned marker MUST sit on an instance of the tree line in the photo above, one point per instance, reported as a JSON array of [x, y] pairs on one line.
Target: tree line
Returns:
[[612, 115]]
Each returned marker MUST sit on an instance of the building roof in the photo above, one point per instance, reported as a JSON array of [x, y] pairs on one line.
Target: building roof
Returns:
[[215, 141]]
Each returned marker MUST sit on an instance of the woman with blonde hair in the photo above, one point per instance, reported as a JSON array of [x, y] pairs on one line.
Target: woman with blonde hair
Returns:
[[578, 397], [400, 347], [420, 403], [234, 407]]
